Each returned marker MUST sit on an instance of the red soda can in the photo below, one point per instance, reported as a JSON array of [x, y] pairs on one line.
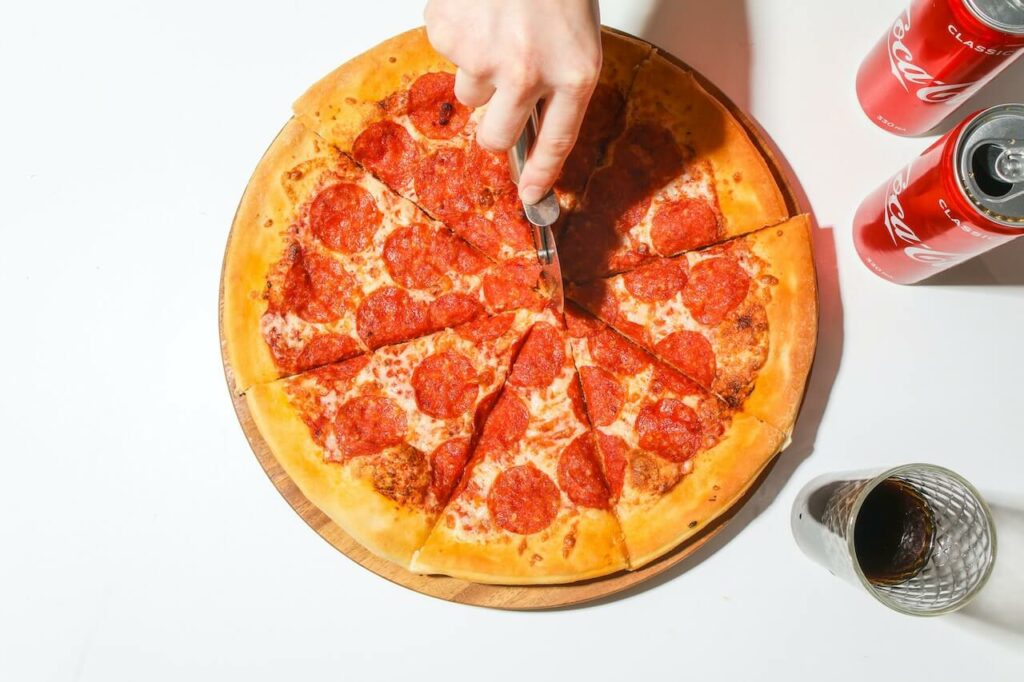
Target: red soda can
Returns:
[[963, 196], [936, 55]]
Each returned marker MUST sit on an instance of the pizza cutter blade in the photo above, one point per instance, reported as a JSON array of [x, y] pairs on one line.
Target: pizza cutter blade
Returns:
[[541, 215]]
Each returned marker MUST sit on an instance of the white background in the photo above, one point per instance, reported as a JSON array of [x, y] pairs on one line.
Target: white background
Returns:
[[139, 538]]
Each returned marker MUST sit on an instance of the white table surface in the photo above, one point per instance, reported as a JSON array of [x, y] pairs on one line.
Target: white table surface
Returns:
[[141, 540]]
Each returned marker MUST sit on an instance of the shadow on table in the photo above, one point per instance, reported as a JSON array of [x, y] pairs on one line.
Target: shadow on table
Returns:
[[998, 610], [712, 37], [1000, 266]]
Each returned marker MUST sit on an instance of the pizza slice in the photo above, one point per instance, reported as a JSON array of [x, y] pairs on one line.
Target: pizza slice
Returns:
[[378, 441], [674, 456], [325, 262], [739, 318], [682, 175], [532, 507], [394, 110]]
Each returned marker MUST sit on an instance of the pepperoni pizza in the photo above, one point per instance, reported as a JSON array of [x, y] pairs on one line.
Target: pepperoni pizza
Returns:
[[384, 319]]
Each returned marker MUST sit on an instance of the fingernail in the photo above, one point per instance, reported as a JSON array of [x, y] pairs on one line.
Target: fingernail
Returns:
[[531, 194]]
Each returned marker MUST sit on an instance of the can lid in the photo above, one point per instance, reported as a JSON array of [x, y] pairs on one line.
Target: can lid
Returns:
[[990, 163], [1002, 15]]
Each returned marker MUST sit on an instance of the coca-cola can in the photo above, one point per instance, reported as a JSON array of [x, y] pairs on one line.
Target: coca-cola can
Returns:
[[937, 54], [963, 196]]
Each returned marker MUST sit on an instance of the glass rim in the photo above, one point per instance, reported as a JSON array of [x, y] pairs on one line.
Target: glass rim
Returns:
[[852, 549]]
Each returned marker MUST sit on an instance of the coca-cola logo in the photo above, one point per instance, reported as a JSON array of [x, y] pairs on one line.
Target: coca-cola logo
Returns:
[[913, 77], [900, 231]]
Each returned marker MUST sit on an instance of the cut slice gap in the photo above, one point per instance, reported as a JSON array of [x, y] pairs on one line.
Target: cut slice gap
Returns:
[[739, 318], [531, 508], [377, 442], [325, 262], [443, 170], [683, 174], [676, 457]]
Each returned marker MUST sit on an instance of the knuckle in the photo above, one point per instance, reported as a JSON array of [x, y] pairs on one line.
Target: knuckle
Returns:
[[559, 146]]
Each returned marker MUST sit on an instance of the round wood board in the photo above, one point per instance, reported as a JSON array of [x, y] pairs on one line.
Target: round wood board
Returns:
[[503, 596]]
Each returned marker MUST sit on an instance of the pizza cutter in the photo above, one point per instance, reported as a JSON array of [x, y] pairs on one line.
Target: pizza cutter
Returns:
[[541, 215]]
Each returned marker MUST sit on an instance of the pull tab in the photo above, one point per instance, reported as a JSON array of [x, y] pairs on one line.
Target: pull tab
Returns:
[[1009, 166]]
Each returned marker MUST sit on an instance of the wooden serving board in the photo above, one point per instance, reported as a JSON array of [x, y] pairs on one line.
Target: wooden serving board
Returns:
[[502, 596]]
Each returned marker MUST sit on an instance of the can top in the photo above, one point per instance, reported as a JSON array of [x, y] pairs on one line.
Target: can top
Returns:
[[1002, 15], [990, 164]]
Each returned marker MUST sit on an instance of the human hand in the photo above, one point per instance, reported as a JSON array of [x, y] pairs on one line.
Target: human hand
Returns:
[[512, 53]]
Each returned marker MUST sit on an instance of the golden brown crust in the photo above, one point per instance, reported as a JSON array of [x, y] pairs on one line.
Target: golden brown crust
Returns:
[[539, 559], [343, 103], [621, 56], [257, 241], [377, 523], [748, 195], [792, 322], [719, 479]]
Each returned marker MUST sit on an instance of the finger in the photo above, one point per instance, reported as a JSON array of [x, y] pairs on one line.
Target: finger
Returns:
[[559, 126], [472, 91], [504, 119]]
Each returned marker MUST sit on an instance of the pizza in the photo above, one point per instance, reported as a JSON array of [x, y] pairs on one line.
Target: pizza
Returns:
[[385, 323]]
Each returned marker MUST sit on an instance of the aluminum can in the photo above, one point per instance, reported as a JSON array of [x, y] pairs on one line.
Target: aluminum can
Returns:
[[963, 196], [936, 54]]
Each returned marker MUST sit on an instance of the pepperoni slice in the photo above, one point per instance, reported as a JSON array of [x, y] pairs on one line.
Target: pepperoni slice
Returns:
[[511, 225], [575, 394], [438, 180], [486, 328], [387, 150], [451, 254], [620, 194], [511, 285], [613, 451], [480, 232], [487, 175], [683, 225], [615, 354], [365, 425], [339, 375], [659, 280], [315, 287], [604, 395], [669, 429], [407, 257], [324, 349], [651, 149], [667, 379], [445, 385], [344, 217], [691, 353], [541, 358], [580, 324], [579, 473], [446, 463], [433, 108], [716, 286], [506, 425], [523, 500], [452, 310], [598, 298], [390, 315]]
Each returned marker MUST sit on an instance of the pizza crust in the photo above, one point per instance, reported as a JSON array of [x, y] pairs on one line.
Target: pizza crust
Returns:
[[343, 103], [374, 521], [257, 241], [719, 479], [540, 559], [792, 322], [748, 195]]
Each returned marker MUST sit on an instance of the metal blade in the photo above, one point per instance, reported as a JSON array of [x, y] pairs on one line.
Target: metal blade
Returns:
[[551, 269]]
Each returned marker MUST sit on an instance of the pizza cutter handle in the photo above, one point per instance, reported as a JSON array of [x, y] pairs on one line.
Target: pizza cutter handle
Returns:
[[518, 152]]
